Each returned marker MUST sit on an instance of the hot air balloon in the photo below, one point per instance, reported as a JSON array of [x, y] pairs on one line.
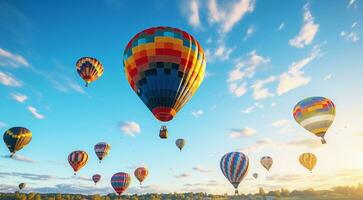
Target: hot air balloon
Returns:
[[234, 166], [16, 138], [266, 162], [315, 114], [120, 182], [77, 159], [102, 149], [180, 143], [141, 173], [308, 160], [96, 178], [163, 134], [255, 175], [89, 69], [164, 66], [22, 186]]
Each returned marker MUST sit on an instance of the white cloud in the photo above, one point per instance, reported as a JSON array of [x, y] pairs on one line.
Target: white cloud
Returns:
[[197, 113], [352, 3], [259, 91], [327, 77], [282, 25], [295, 77], [283, 125], [194, 19], [20, 158], [248, 110], [229, 15], [3, 124], [13, 60], [239, 133], [273, 104], [21, 98], [200, 168], [259, 145], [35, 112], [130, 128], [307, 32], [250, 31], [8, 80], [238, 89], [183, 175], [350, 35]]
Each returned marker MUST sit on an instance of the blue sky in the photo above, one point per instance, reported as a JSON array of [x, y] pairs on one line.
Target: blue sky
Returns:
[[262, 58]]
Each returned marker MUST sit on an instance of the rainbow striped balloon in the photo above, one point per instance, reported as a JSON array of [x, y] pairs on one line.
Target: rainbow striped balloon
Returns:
[[315, 114], [77, 160], [120, 182], [102, 149], [164, 66], [235, 166]]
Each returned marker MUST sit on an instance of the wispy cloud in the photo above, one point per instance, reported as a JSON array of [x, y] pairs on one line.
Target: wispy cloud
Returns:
[[352, 3], [295, 77], [8, 79], [21, 98], [250, 31], [350, 35], [244, 68], [228, 15], [35, 112], [193, 13], [19, 158], [283, 125], [307, 32], [259, 89], [3, 124], [248, 110], [197, 113], [201, 169], [12, 60], [327, 77], [281, 26], [183, 175], [221, 52], [130, 128], [243, 132]]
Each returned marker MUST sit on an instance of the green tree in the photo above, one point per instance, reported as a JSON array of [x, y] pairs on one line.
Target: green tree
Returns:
[[261, 191]]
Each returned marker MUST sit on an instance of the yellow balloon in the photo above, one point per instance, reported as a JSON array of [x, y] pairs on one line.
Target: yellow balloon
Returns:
[[308, 160]]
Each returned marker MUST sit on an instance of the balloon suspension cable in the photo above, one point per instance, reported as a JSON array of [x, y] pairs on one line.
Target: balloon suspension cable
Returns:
[[99, 161], [236, 192], [75, 173], [323, 141]]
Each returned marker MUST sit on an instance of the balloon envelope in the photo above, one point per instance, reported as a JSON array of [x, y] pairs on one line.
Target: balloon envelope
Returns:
[[315, 114], [102, 149], [235, 166], [120, 182], [308, 160], [96, 178], [255, 175], [164, 66], [266, 162], [89, 69], [141, 173], [77, 160], [180, 143], [16, 138], [22, 186]]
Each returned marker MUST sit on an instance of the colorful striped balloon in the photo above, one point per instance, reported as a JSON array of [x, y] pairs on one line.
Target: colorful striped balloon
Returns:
[[120, 182], [77, 160], [96, 178], [90, 69], [164, 66], [266, 162], [235, 166], [308, 160], [180, 143], [141, 173], [315, 114], [102, 149], [16, 138]]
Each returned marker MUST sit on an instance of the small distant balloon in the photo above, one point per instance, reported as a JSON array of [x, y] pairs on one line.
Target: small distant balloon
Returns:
[[96, 178], [89, 69], [235, 166], [308, 160], [120, 182], [315, 114], [180, 143], [141, 173], [102, 149], [266, 162], [77, 160], [16, 138], [255, 175], [22, 186]]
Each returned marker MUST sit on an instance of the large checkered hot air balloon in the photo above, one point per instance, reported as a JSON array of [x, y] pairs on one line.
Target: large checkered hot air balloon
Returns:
[[235, 166], [315, 114], [164, 66]]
